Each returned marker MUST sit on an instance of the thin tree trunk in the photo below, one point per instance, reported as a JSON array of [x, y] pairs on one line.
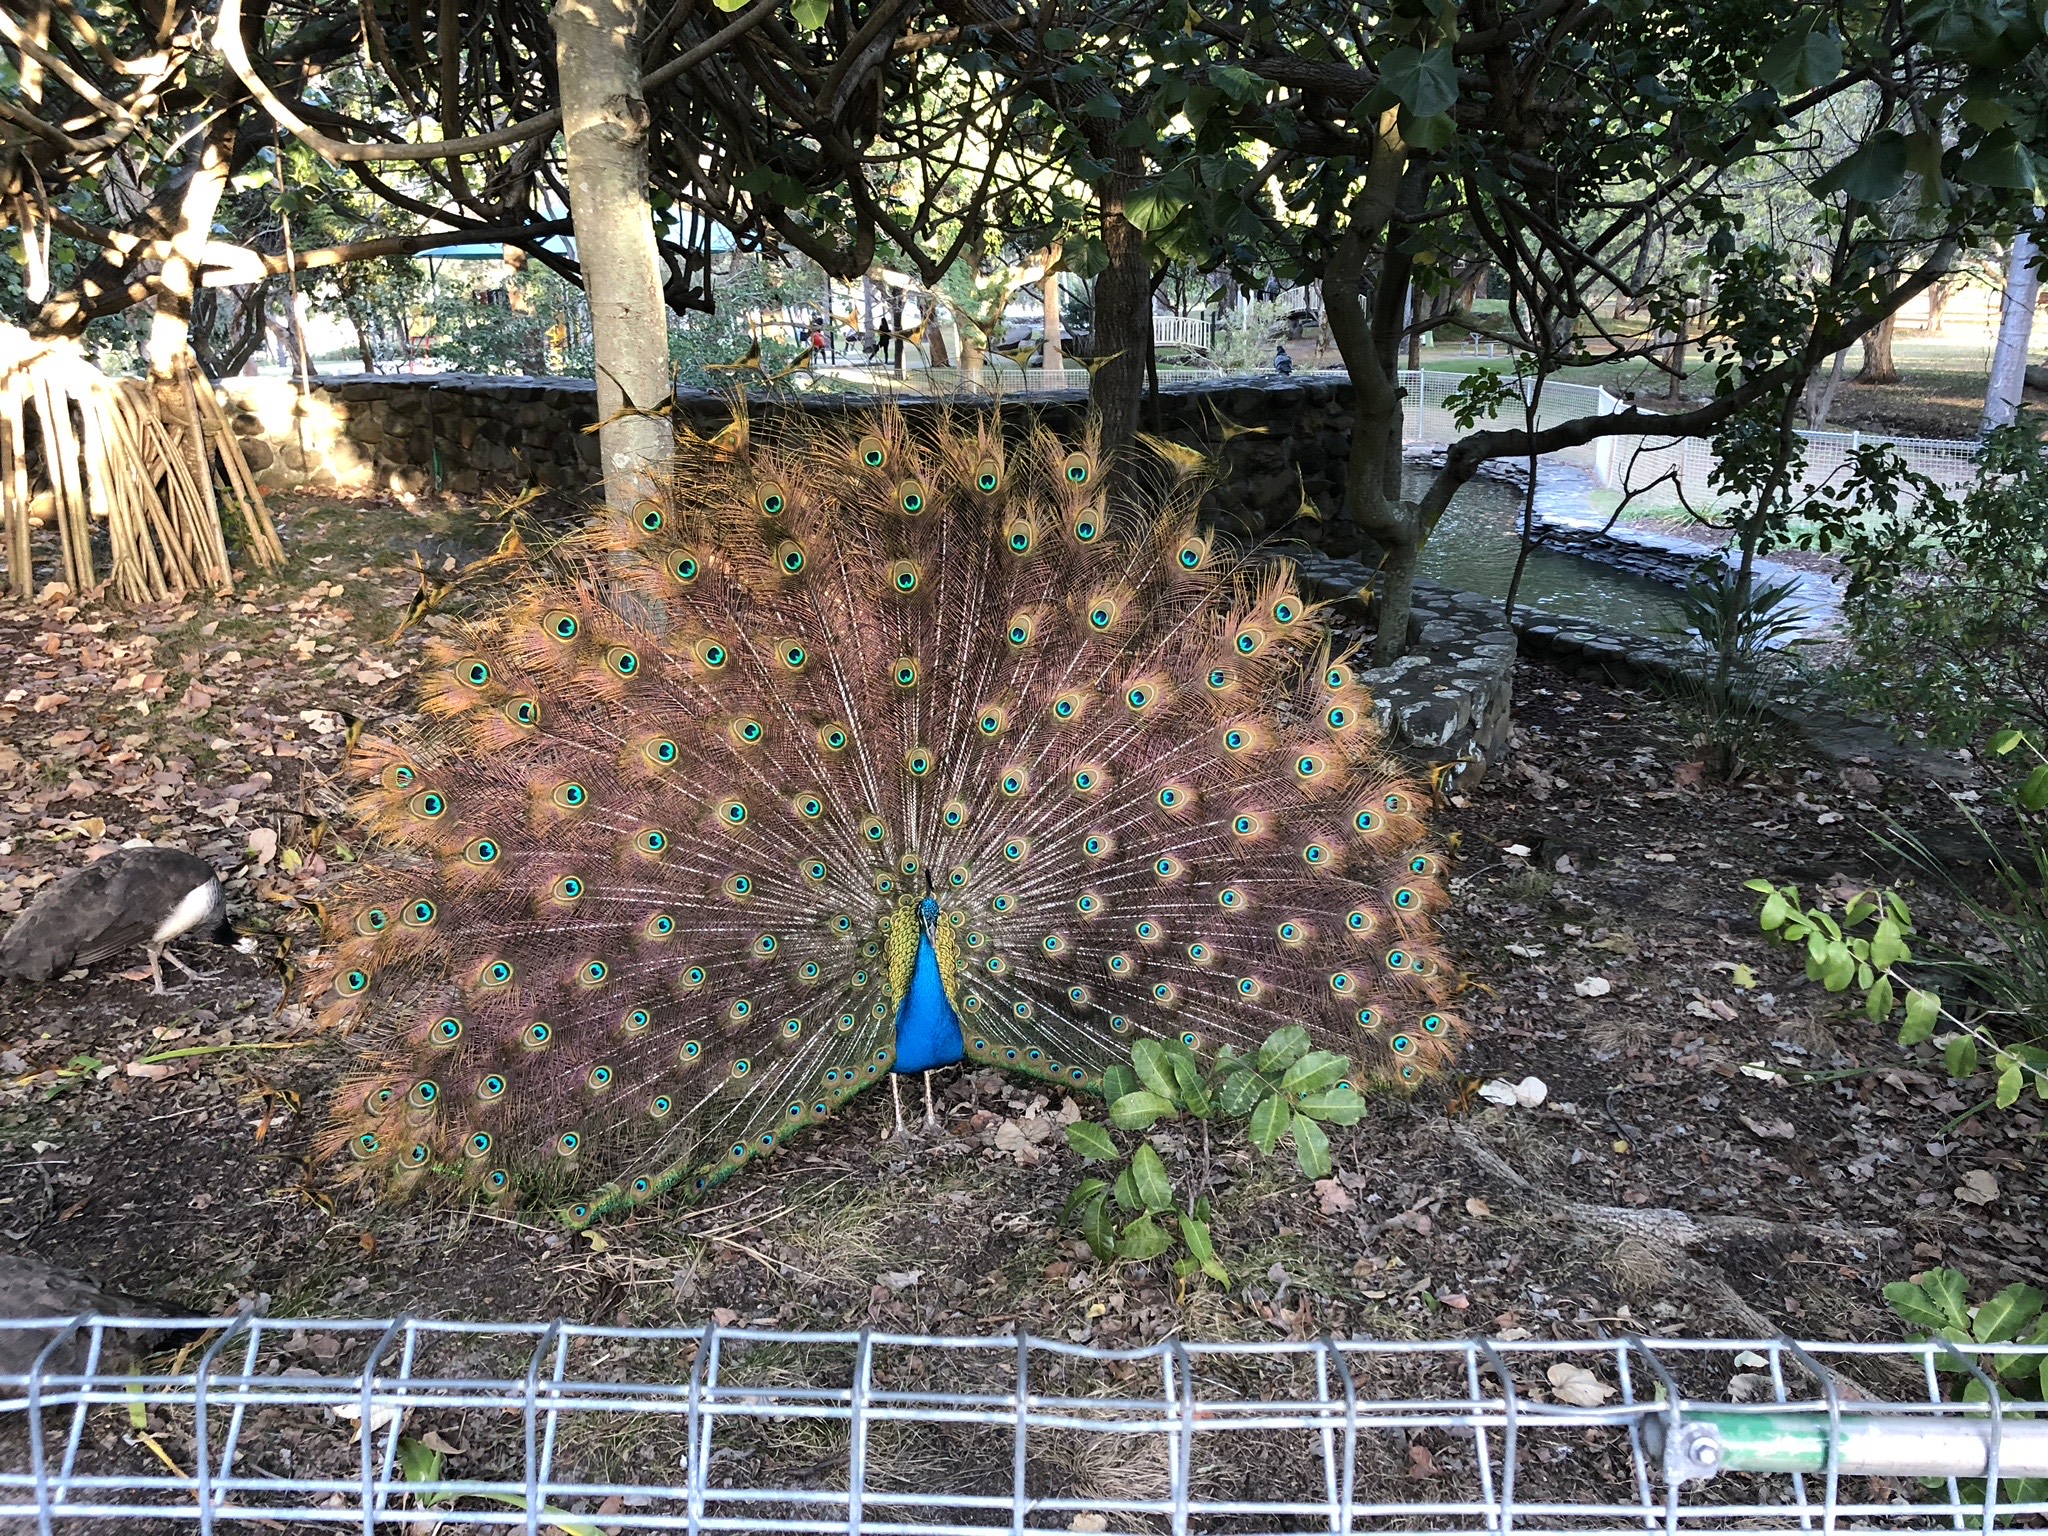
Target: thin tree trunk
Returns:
[[604, 129], [2015, 333], [1054, 362], [170, 328], [1123, 311], [1878, 364]]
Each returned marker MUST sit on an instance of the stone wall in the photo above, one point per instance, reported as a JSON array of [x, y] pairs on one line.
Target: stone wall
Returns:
[[462, 433]]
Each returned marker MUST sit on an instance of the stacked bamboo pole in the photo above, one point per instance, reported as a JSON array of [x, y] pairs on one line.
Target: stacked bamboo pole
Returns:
[[79, 450]]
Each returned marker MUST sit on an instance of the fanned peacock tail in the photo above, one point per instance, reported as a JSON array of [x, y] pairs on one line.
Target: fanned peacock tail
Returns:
[[651, 902]]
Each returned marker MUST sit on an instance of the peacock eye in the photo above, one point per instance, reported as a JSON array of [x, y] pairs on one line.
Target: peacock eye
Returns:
[[906, 673], [571, 796], [563, 626], [910, 496], [794, 656], [790, 556], [448, 1031], [650, 518], [374, 920], [661, 751], [772, 501], [420, 913], [429, 804], [475, 673], [1077, 468], [685, 568], [622, 660], [988, 479], [872, 453], [481, 851]]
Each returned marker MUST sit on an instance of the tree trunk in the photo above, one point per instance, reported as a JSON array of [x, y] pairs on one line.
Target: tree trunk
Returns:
[[1053, 363], [1370, 347], [2015, 333], [937, 355], [604, 130], [1123, 312], [1878, 366], [1414, 329], [1937, 301], [170, 329]]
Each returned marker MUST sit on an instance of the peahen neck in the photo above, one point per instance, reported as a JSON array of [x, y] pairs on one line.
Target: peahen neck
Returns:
[[927, 1030]]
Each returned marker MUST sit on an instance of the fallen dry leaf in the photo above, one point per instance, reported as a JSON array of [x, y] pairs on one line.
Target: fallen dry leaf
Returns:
[[1770, 1130], [1578, 1386], [1979, 1187], [1333, 1197], [1593, 986], [1475, 1206]]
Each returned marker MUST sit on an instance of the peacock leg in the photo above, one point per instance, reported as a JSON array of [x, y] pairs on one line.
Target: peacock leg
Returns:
[[156, 974], [931, 1116], [896, 1089], [181, 965]]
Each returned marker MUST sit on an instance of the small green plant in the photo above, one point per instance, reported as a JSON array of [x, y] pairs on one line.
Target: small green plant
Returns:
[[1287, 1092], [1936, 1304]]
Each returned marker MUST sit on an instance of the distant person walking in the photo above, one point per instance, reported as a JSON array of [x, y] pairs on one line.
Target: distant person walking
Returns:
[[1283, 361]]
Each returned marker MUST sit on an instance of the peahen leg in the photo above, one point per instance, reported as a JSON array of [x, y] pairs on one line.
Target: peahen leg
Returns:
[[192, 974], [931, 1116]]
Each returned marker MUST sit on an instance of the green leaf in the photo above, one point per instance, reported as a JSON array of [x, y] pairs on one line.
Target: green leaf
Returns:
[[1877, 1007], [1960, 1056], [1148, 1177], [1283, 1048], [1913, 1304], [2033, 790], [1195, 1233], [1429, 133], [2005, 741], [421, 1463], [1861, 905], [1241, 1091], [1240, 85], [1125, 1192], [1142, 1239], [1923, 1009], [1424, 83], [1838, 969], [2000, 161], [1269, 1123], [1098, 1229], [1118, 1081], [1311, 1147], [1888, 946], [1873, 173], [811, 14], [2004, 1315], [1339, 1105], [1194, 1093], [1138, 1111], [1091, 1141], [1153, 207], [1949, 1289], [1801, 61], [1150, 1059], [1318, 1069], [2010, 1082], [1774, 912]]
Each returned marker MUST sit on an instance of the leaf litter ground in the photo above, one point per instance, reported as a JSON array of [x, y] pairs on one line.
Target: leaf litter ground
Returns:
[[1677, 1177]]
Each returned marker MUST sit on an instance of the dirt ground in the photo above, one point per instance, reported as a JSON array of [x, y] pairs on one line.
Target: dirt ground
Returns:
[[1681, 1177]]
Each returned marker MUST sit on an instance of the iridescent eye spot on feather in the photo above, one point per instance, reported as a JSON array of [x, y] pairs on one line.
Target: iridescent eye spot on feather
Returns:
[[420, 914], [904, 576], [733, 812], [1015, 849], [498, 973], [1336, 676], [473, 672], [1021, 1009], [562, 625], [1368, 1018], [790, 558], [832, 736], [636, 1021], [365, 1145], [808, 971], [1397, 959], [1422, 864], [909, 864], [1003, 903], [536, 1036], [1103, 614], [447, 1031], [1175, 797], [738, 887], [478, 1145], [1247, 824], [490, 1087], [1146, 930], [661, 751], [904, 672], [1406, 899], [1250, 987], [1366, 821], [792, 655], [497, 1181], [1088, 903], [912, 498], [684, 567], [1358, 920], [1087, 528], [649, 517], [1231, 899], [841, 923], [623, 660], [1140, 697], [1237, 739], [1118, 1023], [481, 852], [1292, 933], [742, 1008], [566, 890], [1250, 640], [954, 813], [765, 944], [1165, 993], [1396, 804], [1192, 553], [1315, 855], [1088, 780], [871, 453], [1068, 705], [1080, 997], [1098, 845], [1168, 868], [1402, 1045], [1015, 781], [992, 721], [1310, 766], [711, 654], [352, 983], [769, 497], [1077, 468], [873, 829], [1340, 982], [747, 731], [691, 1050], [1433, 1024], [651, 843], [428, 805], [396, 776], [1285, 611], [815, 871], [416, 1155], [660, 1106], [1200, 953], [1119, 964], [372, 920], [568, 1144], [599, 1079], [810, 807], [918, 761], [1338, 718], [1220, 680], [658, 927], [988, 477], [1019, 536]]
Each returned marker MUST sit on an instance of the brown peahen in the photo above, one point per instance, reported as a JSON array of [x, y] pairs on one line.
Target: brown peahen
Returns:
[[858, 752]]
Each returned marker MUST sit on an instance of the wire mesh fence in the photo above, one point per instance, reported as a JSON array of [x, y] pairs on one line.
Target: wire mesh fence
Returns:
[[255, 1423]]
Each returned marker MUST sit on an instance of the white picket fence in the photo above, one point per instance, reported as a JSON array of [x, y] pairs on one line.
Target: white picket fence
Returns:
[[1197, 331]]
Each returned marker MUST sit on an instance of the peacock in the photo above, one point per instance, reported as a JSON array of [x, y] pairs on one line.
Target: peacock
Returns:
[[854, 751]]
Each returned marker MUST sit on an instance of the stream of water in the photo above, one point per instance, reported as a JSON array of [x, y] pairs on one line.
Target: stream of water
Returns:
[[1475, 545]]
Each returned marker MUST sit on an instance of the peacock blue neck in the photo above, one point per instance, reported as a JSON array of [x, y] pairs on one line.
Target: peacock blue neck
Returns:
[[927, 1030]]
